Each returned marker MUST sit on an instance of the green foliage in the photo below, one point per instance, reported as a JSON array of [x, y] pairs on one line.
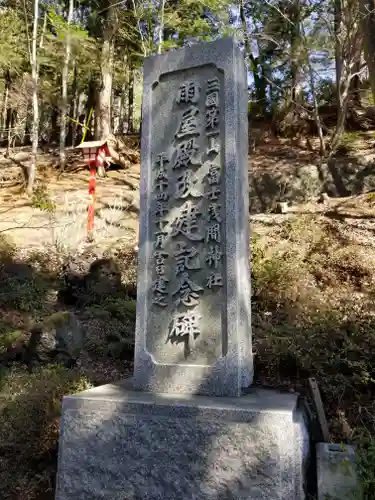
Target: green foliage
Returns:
[[366, 465], [13, 48], [326, 91], [115, 307], [41, 199], [22, 289], [29, 425], [7, 339], [348, 140]]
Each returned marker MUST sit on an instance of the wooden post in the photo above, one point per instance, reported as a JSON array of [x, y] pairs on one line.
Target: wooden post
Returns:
[[94, 165], [91, 204]]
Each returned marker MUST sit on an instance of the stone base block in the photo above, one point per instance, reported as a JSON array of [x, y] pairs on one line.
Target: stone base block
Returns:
[[118, 444]]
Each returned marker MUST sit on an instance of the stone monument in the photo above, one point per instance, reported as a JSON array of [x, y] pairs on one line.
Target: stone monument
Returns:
[[188, 425]]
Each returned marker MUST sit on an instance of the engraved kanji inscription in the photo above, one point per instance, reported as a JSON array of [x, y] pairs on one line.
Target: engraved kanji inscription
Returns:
[[163, 196], [160, 257], [161, 173], [187, 223], [187, 258], [161, 269], [212, 118], [213, 256], [187, 185], [160, 224], [159, 300], [160, 290], [160, 285], [213, 233], [160, 239], [213, 193], [213, 85], [214, 174], [185, 326], [189, 123], [160, 160], [212, 106], [213, 146], [187, 291], [161, 185], [214, 280], [161, 208], [187, 154], [212, 99], [188, 93], [213, 212]]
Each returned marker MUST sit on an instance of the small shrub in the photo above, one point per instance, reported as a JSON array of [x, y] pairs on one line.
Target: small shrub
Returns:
[[29, 424], [366, 467], [22, 293], [7, 248], [42, 200], [114, 307], [348, 141], [123, 348], [10, 338]]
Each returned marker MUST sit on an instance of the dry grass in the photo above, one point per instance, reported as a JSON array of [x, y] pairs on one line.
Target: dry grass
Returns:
[[314, 316]]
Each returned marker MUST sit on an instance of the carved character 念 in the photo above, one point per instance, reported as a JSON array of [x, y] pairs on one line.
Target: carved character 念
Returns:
[[187, 291]]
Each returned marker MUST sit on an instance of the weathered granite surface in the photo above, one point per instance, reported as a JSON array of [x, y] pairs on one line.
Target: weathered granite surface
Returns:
[[193, 332], [117, 444], [337, 472]]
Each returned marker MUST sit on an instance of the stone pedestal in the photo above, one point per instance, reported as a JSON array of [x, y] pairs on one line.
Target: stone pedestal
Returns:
[[117, 444]]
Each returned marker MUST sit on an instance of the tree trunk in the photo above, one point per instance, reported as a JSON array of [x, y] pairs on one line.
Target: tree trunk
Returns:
[[161, 27], [90, 105], [106, 67], [131, 101], [34, 75], [355, 84], [367, 9], [54, 132], [338, 50], [295, 44], [72, 129], [4, 111], [64, 81], [105, 95]]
